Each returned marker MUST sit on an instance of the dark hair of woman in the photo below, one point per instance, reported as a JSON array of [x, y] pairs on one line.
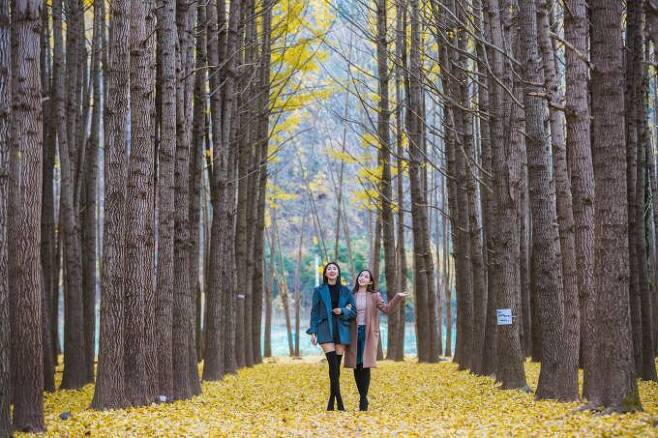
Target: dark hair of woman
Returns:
[[371, 285], [324, 273]]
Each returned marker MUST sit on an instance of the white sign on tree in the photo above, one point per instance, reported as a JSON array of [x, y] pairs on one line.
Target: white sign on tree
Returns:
[[504, 316]]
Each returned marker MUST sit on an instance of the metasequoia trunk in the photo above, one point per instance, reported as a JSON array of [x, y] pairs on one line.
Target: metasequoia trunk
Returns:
[[475, 242], [422, 287], [167, 38], [384, 160], [613, 384], [506, 162], [64, 72], [110, 384], [262, 143], [648, 364], [396, 345], [196, 183], [25, 124], [559, 372], [579, 158], [490, 211], [90, 192], [5, 99], [48, 243], [213, 368], [633, 66], [137, 272]]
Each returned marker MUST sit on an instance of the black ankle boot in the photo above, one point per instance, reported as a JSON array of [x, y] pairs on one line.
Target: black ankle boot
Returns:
[[363, 404], [330, 404], [339, 402]]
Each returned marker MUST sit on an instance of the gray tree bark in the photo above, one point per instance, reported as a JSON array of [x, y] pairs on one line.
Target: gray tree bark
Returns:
[[109, 391], [167, 40], [613, 384], [5, 111], [25, 124]]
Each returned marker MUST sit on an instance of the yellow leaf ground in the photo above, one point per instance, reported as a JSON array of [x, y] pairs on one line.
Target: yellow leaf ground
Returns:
[[288, 398]]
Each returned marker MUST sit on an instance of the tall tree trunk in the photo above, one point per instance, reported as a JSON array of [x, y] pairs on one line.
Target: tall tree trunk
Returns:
[[447, 288], [396, 346], [418, 211], [196, 186], [440, 272], [458, 201], [246, 186], [262, 143], [455, 138], [565, 215], [5, 107], [632, 100], [558, 378], [282, 284], [54, 297], [525, 252], [269, 288], [488, 104], [298, 283], [486, 172], [475, 242], [137, 272], [648, 369], [150, 329], [187, 46], [74, 356], [89, 210], [167, 39], [184, 366], [384, 160], [110, 384], [47, 203], [506, 162], [613, 385], [213, 368], [228, 166], [25, 123], [242, 208]]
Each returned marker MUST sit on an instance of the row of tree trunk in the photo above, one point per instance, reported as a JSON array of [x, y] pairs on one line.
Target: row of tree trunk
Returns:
[[175, 94], [547, 191]]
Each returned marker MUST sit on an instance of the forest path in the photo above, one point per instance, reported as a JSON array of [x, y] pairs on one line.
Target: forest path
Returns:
[[287, 397]]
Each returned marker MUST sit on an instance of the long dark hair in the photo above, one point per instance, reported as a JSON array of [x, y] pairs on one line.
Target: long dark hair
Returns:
[[324, 273], [370, 287]]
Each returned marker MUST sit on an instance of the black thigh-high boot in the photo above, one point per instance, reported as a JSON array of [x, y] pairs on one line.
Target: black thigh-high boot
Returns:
[[339, 398], [331, 360], [365, 384], [357, 378]]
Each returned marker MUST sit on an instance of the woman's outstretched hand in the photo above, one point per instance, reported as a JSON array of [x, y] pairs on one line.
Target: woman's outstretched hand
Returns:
[[314, 339], [403, 294], [338, 311]]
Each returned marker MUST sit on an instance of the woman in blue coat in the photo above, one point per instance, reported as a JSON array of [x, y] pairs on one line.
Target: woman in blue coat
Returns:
[[333, 309]]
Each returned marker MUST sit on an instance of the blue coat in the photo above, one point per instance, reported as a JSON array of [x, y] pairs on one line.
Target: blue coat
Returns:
[[321, 315]]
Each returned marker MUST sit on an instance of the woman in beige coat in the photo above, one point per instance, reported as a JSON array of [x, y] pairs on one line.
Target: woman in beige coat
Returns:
[[361, 354]]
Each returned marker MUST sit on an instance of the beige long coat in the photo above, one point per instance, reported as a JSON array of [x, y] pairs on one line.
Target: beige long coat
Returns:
[[374, 304]]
